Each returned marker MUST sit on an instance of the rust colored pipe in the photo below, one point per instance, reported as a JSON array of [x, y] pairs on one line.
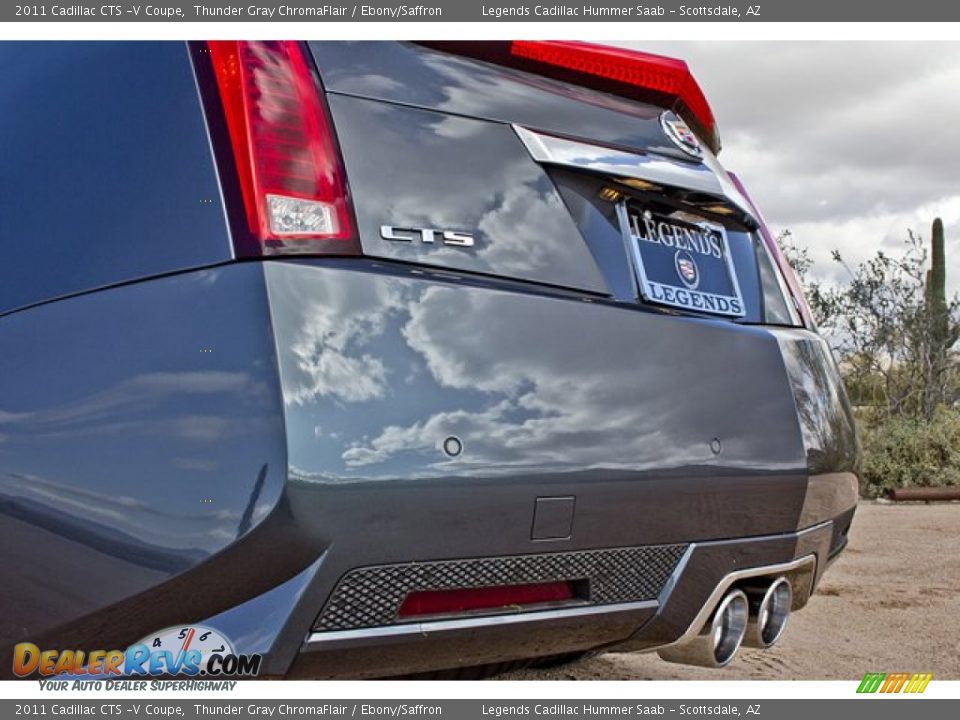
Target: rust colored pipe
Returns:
[[925, 493]]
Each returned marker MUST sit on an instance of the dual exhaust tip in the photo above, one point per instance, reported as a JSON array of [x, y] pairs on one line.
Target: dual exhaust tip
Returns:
[[754, 616]]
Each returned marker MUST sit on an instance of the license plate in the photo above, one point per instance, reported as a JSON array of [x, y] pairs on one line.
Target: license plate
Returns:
[[682, 263]]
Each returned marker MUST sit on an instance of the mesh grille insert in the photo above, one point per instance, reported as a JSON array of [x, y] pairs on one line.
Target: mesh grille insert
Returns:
[[371, 596]]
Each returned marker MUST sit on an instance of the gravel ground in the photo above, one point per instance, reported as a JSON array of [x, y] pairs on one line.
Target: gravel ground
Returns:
[[890, 603]]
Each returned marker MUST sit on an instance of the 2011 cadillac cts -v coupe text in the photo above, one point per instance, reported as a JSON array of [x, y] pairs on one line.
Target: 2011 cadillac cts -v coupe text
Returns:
[[382, 359]]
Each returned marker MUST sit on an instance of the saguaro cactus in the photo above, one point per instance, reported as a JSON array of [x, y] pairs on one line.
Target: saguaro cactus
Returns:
[[937, 293], [940, 335]]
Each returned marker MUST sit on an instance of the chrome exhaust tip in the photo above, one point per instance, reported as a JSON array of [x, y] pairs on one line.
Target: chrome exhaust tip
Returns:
[[769, 611], [717, 643]]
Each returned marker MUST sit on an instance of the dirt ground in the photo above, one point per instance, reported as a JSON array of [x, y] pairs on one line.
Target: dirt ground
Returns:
[[891, 602]]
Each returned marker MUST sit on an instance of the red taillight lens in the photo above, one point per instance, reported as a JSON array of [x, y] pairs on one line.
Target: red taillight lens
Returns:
[[441, 602], [288, 164], [655, 73], [783, 265]]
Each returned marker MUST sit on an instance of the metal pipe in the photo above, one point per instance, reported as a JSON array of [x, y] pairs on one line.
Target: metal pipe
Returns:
[[718, 640], [925, 493], [769, 611]]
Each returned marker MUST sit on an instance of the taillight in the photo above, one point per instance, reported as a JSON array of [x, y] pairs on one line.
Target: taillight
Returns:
[[442, 602], [628, 73], [288, 164], [787, 275], [656, 73]]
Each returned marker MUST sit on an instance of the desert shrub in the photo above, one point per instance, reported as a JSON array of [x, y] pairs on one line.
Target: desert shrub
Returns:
[[890, 323], [904, 451]]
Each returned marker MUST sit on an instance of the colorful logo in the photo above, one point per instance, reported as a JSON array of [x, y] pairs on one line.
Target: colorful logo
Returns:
[[681, 134], [687, 269], [191, 650], [894, 682]]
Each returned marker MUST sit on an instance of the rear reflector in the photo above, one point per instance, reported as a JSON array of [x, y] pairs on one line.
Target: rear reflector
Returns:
[[443, 602], [287, 160]]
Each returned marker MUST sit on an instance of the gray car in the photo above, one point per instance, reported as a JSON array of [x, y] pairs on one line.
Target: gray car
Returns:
[[384, 358]]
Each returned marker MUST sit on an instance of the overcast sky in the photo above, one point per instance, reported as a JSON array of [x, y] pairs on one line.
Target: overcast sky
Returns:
[[847, 144]]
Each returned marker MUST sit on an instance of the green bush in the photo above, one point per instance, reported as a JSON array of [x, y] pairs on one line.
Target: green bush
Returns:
[[903, 452]]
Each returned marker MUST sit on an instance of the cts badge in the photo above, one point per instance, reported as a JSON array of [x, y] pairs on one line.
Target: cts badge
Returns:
[[426, 235]]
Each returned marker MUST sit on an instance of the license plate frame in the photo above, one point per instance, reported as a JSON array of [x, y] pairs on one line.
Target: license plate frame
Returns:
[[683, 263]]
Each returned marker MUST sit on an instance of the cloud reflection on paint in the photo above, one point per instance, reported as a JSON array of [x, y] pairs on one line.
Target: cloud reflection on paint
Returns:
[[524, 383]]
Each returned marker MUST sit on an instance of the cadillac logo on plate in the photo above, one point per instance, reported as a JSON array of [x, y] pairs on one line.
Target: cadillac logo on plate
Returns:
[[687, 269]]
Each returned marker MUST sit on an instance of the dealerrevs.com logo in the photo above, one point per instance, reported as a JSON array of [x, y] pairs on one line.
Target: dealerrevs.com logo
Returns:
[[192, 651]]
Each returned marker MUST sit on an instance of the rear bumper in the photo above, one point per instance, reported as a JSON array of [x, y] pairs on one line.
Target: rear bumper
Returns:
[[734, 443], [423, 647], [705, 571]]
